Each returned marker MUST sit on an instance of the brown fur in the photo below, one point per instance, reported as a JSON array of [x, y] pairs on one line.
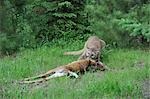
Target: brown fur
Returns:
[[72, 68]]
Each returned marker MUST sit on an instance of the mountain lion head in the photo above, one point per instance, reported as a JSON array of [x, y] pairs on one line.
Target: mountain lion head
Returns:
[[92, 53]]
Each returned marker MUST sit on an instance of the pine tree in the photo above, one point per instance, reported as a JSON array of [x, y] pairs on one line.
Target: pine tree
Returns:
[[59, 19]]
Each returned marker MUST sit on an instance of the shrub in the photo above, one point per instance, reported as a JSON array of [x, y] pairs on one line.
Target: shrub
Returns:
[[120, 23], [33, 23]]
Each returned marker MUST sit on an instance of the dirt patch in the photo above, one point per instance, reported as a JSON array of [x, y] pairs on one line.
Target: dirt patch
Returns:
[[3, 90], [146, 89], [139, 63]]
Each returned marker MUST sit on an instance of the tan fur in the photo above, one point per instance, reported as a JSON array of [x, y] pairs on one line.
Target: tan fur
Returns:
[[92, 49], [72, 68]]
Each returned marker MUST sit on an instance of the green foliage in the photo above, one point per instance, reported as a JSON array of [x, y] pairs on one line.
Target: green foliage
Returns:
[[34, 23], [135, 29], [120, 23], [137, 22], [53, 20], [7, 47]]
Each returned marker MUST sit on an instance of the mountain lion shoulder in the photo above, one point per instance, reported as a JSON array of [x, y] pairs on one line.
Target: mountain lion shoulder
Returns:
[[92, 49]]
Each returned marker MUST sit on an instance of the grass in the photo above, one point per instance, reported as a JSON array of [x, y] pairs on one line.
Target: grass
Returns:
[[130, 69]]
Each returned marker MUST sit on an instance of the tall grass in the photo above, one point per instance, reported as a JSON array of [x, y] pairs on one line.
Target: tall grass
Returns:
[[130, 69]]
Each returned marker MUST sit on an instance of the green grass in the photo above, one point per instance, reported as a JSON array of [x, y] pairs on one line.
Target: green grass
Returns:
[[125, 81]]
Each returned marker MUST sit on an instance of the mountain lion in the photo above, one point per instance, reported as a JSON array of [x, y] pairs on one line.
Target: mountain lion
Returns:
[[92, 49]]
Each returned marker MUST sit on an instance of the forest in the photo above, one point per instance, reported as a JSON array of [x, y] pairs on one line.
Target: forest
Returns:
[[34, 34]]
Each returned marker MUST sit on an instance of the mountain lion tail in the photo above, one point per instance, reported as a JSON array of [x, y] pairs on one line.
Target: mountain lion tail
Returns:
[[74, 52]]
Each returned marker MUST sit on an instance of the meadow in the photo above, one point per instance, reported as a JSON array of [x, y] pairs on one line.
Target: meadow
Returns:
[[130, 69]]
